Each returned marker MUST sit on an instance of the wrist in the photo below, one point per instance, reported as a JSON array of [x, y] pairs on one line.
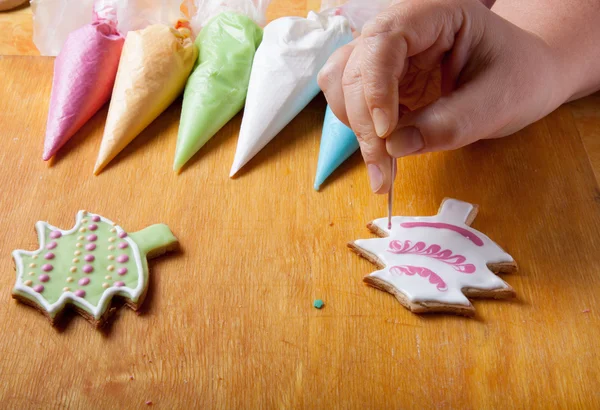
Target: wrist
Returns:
[[556, 73], [570, 34]]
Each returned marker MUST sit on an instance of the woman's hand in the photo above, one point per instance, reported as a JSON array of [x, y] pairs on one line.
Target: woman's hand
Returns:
[[431, 75]]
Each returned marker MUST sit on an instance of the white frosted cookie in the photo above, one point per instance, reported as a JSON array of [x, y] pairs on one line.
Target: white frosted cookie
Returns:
[[434, 263]]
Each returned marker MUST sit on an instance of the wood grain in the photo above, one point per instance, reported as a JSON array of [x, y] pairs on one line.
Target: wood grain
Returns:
[[229, 322], [586, 114]]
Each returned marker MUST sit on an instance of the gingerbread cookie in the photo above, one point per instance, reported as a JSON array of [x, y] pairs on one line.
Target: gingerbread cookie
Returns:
[[87, 265], [432, 264]]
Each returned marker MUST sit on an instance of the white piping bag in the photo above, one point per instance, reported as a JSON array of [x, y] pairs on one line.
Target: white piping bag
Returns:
[[284, 76]]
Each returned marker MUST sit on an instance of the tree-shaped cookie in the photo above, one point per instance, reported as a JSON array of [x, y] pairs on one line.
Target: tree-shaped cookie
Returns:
[[87, 265], [432, 264]]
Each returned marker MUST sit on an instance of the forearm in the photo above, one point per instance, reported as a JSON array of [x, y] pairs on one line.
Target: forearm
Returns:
[[571, 28]]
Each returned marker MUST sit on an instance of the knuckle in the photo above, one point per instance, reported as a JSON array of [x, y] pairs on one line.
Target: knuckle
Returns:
[[331, 73], [368, 151], [450, 129], [325, 77], [383, 24], [351, 77], [365, 136], [375, 90]]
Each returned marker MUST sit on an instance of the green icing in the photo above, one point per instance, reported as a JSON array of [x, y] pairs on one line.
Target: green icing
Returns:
[[153, 238], [65, 259], [217, 88]]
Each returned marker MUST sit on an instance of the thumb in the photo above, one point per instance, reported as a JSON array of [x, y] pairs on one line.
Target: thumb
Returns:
[[469, 113]]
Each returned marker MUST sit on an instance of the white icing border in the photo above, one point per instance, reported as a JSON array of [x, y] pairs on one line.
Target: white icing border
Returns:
[[66, 297]]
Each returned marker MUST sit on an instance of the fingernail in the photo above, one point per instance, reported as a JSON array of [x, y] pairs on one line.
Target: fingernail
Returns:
[[405, 141], [381, 122], [375, 177]]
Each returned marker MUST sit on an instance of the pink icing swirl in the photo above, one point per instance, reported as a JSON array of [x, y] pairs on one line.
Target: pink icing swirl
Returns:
[[434, 278], [435, 252], [440, 225]]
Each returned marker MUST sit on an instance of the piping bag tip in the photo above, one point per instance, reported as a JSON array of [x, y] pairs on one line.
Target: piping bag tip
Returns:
[[50, 150], [98, 169], [318, 182], [235, 168], [177, 166]]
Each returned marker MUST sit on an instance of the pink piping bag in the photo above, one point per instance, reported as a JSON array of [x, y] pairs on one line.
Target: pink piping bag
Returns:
[[84, 75]]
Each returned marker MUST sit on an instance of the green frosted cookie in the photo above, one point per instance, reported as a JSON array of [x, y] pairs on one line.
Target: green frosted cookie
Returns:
[[87, 265]]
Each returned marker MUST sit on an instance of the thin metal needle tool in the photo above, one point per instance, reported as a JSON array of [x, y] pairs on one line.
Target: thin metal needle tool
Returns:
[[391, 194]]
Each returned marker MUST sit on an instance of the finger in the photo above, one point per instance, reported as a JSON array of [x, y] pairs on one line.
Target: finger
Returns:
[[425, 30], [330, 80], [372, 147], [468, 114], [382, 66]]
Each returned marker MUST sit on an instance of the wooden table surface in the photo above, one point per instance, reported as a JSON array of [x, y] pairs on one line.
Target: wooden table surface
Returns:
[[229, 322]]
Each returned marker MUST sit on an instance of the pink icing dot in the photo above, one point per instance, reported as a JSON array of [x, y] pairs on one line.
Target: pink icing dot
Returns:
[[90, 246], [122, 271], [47, 267], [92, 227], [44, 278], [123, 245], [89, 258], [55, 234], [96, 218], [84, 281], [38, 288], [80, 293], [92, 237], [87, 268], [122, 258], [122, 234], [51, 245], [119, 284], [49, 255]]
